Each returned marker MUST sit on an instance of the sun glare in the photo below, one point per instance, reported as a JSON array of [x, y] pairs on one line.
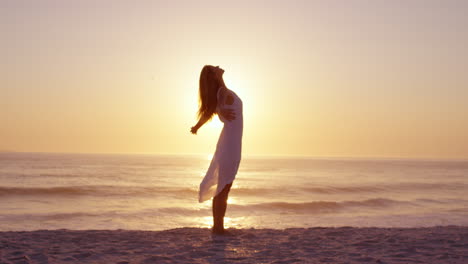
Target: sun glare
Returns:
[[216, 123], [206, 221], [231, 200], [229, 222]]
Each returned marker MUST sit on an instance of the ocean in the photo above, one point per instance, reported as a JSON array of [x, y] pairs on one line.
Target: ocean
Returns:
[[155, 192]]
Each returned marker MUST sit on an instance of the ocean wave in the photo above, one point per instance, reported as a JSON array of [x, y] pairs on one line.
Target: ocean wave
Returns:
[[273, 207], [379, 205], [377, 188], [66, 190], [116, 190], [302, 208], [187, 192], [394, 187], [323, 206], [343, 189], [95, 190], [47, 217]]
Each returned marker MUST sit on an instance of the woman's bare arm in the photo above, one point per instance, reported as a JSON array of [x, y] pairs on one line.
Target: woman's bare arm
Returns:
[[227, 113], [200, 123]]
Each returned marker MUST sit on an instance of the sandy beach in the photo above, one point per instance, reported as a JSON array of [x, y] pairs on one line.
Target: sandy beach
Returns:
[[447, 244]]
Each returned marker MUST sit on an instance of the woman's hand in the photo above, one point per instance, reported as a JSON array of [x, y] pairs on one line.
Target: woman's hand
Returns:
[[194, 130], [228, 114]]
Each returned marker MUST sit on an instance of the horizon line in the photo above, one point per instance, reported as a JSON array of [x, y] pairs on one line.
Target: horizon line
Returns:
[[284, 156]]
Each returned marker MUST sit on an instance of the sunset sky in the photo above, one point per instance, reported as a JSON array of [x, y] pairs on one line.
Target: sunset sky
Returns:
[[317, 78]]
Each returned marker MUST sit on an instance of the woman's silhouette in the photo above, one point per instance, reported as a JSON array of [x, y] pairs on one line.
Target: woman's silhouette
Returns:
[[216, 98]]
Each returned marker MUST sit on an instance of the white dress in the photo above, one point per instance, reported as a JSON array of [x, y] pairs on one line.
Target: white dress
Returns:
[[226, 159]]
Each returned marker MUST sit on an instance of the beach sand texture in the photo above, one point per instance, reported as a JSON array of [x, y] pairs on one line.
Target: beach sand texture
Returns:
[[447, 244]]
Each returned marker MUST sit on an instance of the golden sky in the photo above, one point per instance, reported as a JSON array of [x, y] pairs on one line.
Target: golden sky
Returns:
[[317, 78]]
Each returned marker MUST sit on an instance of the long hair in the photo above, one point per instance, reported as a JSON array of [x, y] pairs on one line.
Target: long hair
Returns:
[[208, 91]]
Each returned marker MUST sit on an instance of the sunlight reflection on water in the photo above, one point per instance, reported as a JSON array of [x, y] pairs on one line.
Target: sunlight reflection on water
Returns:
[[229, 222]]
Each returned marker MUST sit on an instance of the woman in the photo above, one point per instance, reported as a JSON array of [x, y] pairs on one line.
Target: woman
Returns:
[[216, 98]]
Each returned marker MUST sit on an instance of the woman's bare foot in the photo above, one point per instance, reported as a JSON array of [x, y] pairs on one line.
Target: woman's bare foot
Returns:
[[219, 231]]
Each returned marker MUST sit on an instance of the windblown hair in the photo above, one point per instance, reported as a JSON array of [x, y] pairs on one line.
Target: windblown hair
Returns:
[[207, 93]]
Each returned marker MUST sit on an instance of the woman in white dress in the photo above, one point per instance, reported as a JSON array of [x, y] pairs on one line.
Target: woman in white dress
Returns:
[[216, 98]]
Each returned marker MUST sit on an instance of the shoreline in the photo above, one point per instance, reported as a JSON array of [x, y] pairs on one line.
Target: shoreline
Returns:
[[438, 244]]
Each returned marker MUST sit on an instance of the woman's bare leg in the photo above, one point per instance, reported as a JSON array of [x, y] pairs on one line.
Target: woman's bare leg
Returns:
[[219, 209]]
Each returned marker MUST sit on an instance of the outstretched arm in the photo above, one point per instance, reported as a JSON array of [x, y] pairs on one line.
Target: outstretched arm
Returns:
[[227, 113], [200, 123]]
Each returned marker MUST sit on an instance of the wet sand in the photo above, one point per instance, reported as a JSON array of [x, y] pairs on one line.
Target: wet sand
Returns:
[[447, 244]]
